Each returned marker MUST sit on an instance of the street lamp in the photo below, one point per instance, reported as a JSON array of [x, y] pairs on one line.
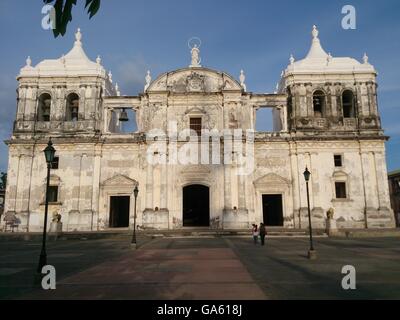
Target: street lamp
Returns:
[[49, 155], [312, 254], [135, 193]]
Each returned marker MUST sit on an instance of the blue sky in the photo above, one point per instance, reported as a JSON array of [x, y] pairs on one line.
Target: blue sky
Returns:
[[257, 36]]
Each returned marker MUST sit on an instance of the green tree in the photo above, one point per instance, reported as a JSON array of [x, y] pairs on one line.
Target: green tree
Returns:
[[63, 13]]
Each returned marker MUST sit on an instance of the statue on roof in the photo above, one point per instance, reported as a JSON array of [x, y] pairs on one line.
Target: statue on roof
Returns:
[[195, 57], [78, 36], [365, 58], [195, 43], [148, 80], [242, 79], [315, 32]]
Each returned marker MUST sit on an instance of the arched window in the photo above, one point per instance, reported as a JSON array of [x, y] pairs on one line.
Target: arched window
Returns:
[[348, 104], [44, 107], [319, 104], [72, 108]]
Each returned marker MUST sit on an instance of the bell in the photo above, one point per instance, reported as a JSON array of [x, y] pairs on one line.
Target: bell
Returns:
[[123, 116]]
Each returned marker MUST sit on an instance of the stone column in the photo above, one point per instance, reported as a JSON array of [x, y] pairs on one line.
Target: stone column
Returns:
[[149, 186], [284, 118], [164, 186], [106, 120], [227, 187], [368, 183], [335, 91], [241, 191], [318, 216], [301, 164], [83, 184], [22, 92], [19, 184], [382, 181], [76, 187], [58, 108], [295, 186], [96, 190], [28, 160], [23, 184], [372, 101], [31, 104]]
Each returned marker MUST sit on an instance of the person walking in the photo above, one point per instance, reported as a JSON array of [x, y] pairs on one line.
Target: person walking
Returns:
[[263, 232], [255, 233]]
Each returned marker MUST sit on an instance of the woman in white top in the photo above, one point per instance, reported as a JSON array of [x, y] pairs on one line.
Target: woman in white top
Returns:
[[255, 233]]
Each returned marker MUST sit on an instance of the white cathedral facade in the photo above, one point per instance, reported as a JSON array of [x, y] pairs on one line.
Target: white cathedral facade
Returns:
[[326, 118]]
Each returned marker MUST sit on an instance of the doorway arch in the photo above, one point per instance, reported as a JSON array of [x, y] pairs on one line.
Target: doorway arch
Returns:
[[196, 206]]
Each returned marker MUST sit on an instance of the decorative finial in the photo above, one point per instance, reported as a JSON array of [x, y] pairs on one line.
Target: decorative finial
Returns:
[[63, 59], [117, 90], [365, 58], [28, 61], [291, 59], [315, 32], [98, 60], [329, 58], [110, 76], [282, 73], [194, 44], [78, 36], [148, 80], [242, 79]]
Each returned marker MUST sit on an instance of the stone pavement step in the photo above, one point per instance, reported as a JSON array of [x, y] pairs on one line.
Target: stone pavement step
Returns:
[[199, 232]]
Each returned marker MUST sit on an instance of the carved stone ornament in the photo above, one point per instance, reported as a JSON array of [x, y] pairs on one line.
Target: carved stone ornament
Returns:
[[304, 121], [195, 82], [330, 213]]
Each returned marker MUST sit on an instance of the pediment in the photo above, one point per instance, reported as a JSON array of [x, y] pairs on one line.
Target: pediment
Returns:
[[54, 179], [194, 80], [120, 180], [339, 174], [195, 111], [271, 179]]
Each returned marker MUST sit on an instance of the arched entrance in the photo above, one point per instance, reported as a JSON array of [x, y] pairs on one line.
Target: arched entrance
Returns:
[[196, 206]]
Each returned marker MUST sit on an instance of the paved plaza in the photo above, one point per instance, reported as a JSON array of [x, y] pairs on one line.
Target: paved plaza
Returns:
[[203, 268]]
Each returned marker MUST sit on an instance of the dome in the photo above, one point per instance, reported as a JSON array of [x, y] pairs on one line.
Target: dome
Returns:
[[74, 63], [318, 61]]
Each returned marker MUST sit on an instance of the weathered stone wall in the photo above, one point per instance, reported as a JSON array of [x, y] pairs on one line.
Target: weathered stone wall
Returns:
[[96, 164]]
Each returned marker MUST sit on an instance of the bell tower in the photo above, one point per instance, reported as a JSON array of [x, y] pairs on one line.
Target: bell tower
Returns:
[[62, 96], [327, 93]]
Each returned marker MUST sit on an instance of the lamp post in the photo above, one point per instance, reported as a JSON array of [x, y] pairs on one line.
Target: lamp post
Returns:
[[312, 254], [135, 193], [49, 154]]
